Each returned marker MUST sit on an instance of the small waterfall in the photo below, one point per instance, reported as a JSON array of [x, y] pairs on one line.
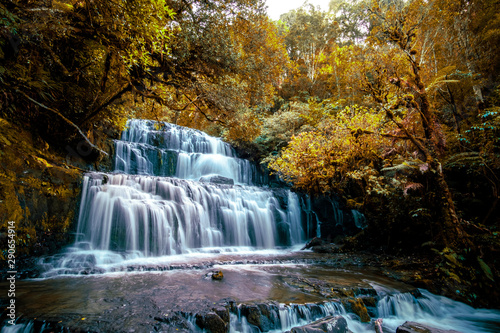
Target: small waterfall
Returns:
[[162, 149], [436, 311], [174, 191], [422, 307], [283, 317]]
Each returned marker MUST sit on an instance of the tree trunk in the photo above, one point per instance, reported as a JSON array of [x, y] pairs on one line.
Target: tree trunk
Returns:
[[451, 232]]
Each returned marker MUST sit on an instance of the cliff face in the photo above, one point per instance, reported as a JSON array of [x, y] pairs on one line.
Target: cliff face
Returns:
[[38, 191]]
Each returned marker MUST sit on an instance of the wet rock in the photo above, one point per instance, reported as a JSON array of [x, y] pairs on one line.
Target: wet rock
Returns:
[[174, 320], [316, 241], [336, 221], [223, 313], [283, 230], [217, 275], [329, 324], [358, 307], [263, 316], [413, 327], [281, 194], [212, 323], [217, 179]]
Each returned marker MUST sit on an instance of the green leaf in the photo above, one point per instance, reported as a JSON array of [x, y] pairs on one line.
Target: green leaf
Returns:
[[486, 269]]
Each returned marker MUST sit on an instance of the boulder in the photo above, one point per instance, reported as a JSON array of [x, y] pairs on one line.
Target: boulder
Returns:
[[413, 327], [316, 241], [217, 179], [211, 322], [358, 307], [329, 324], [265, 317]]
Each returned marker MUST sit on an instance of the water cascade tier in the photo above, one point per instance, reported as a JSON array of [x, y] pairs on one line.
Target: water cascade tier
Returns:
[[163, 149], [156, 216]]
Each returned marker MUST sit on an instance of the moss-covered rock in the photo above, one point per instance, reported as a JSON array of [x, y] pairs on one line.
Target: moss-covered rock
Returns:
[[39, 192], [357, 306]]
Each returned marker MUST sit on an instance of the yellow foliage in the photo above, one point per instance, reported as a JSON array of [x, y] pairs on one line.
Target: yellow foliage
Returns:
[[244, 126], [321, 161]]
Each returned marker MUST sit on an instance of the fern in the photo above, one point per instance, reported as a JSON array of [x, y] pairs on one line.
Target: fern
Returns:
[[461, 160], [406, 168], [412, 187]]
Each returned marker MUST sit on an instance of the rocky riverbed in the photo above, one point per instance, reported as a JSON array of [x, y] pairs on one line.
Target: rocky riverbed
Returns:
[[257, 291]]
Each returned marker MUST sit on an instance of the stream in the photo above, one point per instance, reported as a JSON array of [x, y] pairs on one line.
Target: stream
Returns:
[[181, 206]]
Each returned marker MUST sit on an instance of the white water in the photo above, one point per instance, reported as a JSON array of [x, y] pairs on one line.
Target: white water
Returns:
[[162, 149], [436, 311]]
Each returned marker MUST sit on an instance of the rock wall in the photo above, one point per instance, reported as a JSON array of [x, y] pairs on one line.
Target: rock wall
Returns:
[[336, 221], [39, 191]]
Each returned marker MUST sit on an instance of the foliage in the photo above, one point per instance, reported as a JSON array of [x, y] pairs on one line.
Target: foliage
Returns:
[[323, 160], [190, 62]]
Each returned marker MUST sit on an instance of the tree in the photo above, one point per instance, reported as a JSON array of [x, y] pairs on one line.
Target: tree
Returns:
[[77, 63], [325, 160], [71, 62], [399, 24], [352, 20], [309, 34]]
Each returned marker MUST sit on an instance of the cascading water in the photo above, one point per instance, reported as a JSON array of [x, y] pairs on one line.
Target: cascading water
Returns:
[[425, 308], [172, 193], [163, 149]]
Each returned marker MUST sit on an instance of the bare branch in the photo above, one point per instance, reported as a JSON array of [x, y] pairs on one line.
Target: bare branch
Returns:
[[65, 119]]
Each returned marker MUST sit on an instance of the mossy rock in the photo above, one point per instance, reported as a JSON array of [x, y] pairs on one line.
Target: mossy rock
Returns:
[[357, 306], [38, 192]]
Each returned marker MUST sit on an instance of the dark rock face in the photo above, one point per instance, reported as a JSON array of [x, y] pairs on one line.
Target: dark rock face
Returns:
[[412, 327], [216, 179], [262, 316], [335, 220], [329, 324], [212, 322], [39, 192]]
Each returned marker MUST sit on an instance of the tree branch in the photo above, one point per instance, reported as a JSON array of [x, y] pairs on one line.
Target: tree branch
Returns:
[[203, 113], [411, 137], [126, 88], [65, 119]]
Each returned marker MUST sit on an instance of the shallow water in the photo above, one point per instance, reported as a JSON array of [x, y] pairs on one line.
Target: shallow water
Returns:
[[129, 301]]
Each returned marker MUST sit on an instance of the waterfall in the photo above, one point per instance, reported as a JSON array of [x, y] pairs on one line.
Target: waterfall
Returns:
[[283, 317], [174, 191], [436, 311], [420, 306], [162, 149]]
